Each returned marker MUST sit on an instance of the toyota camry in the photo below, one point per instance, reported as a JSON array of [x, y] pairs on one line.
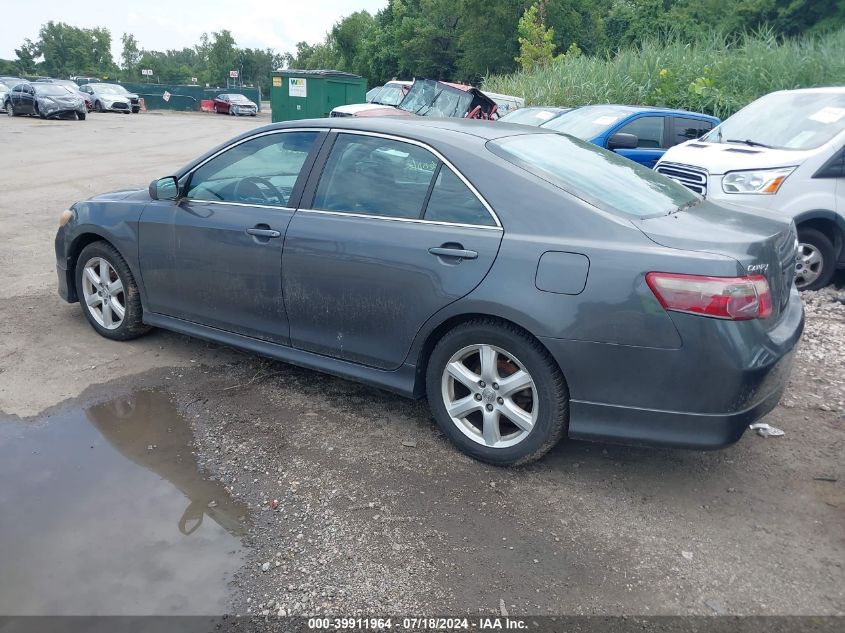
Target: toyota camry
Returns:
[[531, 285]]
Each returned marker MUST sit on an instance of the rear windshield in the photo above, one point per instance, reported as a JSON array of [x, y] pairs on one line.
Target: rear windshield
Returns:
[[587, 122], [599, 177]]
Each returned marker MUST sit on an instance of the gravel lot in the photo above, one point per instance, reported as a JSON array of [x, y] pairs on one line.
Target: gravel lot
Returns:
[[358, 505]]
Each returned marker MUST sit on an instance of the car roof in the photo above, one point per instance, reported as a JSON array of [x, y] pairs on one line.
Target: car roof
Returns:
[[420, 128], [634, 109], [818, 90]]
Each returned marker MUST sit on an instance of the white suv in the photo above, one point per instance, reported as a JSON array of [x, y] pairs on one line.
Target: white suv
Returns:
[[784, 154]]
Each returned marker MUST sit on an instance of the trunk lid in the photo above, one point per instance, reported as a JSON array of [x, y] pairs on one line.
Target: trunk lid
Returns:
[[763, 245]]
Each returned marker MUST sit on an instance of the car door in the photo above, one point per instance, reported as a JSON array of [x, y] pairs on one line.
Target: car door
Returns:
[[650, 131], [15, 99], [387, 235], [214, 255]]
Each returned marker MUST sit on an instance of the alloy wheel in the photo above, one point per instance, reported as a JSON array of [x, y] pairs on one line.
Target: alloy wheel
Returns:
[[490, 396], [103, 293], [808, 265]]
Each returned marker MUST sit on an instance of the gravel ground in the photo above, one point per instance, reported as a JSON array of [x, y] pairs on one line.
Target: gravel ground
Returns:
[[359, 505]]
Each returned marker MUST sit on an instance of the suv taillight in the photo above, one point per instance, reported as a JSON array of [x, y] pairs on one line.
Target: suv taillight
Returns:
[[734, 298]]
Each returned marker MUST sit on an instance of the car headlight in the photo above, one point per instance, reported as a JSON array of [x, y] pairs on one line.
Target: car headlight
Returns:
[[66, 216], [762, 181]]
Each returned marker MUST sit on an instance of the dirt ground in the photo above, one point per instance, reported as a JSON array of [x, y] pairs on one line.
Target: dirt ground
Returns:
[[376, 513]]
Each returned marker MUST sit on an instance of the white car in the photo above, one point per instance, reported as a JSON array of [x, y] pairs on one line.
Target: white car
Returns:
[[506, 103], [782, 154], [391, 94]]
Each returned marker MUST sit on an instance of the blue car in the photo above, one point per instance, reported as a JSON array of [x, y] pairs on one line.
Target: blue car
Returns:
[[640, 133]]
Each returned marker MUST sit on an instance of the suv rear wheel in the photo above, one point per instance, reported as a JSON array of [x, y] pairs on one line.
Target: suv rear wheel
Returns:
[[815, 264]]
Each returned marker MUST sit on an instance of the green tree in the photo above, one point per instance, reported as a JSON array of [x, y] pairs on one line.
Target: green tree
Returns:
[[536, 45], [130, 56], [26, 56]]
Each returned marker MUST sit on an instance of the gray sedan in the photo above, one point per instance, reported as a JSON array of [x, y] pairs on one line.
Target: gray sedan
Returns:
[[531, 285]]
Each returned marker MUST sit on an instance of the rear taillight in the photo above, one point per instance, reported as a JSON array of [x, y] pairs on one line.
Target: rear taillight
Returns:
[[735, 298]]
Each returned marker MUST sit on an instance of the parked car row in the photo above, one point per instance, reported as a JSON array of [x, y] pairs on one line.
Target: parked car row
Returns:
[[784, 154], [64, 98]]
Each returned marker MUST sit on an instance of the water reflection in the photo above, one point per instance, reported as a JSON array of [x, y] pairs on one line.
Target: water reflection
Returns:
[[104, 511], [146, 429]]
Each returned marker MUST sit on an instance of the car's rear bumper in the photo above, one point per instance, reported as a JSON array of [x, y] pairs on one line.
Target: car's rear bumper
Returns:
[[703, 395], [677, 429]]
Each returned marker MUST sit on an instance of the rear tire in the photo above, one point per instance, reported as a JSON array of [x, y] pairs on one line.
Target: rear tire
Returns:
[[108, 291], [816, 262], [526, 423]]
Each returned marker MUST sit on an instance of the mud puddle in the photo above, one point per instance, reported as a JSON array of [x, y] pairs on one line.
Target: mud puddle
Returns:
[[104, 511]]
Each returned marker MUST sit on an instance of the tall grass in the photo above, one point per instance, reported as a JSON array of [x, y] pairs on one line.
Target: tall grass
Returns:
[[713, 74]]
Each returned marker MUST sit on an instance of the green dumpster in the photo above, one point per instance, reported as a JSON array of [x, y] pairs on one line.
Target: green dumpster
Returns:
[[312, 94]]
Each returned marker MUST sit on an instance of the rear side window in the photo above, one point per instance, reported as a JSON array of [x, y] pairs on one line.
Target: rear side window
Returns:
[[452, 201], [599, 177], [684, 129], [375, 176], [648, 129]]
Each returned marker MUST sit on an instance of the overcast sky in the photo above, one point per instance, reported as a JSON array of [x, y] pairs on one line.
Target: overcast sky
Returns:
[[163, 24]]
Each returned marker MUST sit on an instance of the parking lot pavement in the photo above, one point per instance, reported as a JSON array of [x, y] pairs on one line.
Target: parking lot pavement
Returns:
[[355, 502]]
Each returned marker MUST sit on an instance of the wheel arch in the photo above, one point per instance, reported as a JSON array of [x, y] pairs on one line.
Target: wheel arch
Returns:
[[423, 349], [827, 222], [77, 245]]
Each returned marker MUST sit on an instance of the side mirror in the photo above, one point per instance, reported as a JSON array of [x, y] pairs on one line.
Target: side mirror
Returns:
[[620, 140], [164, 189]]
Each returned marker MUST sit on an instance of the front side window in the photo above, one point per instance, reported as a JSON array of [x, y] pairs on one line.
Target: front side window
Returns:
[[375, 176], [601, 178], [647, 129], [452, 201], [262, 170]]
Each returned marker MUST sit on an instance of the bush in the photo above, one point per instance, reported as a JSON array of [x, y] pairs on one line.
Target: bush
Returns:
[[713, 74]]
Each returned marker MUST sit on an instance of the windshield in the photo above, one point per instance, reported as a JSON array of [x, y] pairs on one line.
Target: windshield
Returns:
[[599, 177], [431, 98], [532, 116], [785, 120], [587, 122], [51, 90], [390, 95], [110, 89]]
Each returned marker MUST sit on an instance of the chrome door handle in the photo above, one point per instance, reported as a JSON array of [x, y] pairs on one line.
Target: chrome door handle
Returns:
[[441, 251], [263, 233]]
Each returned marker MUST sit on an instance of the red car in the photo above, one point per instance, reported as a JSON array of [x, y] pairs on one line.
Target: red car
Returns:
[[234, 104]]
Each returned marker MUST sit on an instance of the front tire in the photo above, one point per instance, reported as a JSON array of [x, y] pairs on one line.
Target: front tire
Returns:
[[108, 293], [816, 262], [10, 111], [81, 116], [496, 393], [98, 107]]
